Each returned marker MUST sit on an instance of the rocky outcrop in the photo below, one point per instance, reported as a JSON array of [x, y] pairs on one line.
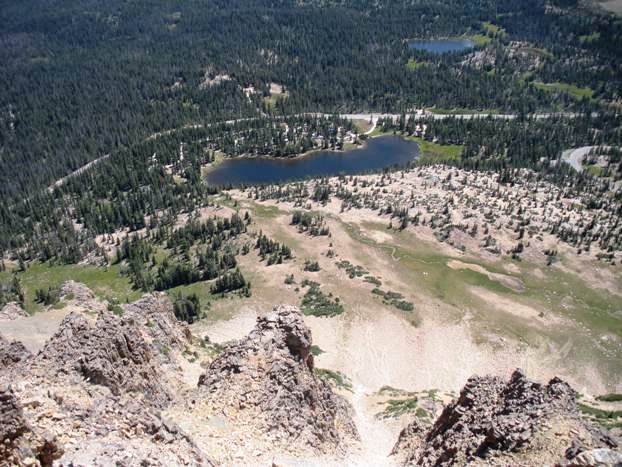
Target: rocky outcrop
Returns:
[[112, 352], [81, 297], [155, 314], [19, 444], [11, 353], [100, 383], [128, 433], [519, 422], [267, 381], [11, 311]]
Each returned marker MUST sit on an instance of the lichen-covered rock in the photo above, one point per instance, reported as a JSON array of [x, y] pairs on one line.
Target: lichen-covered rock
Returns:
[[11, 353], [11, 311], [267, 381], [492, 420]]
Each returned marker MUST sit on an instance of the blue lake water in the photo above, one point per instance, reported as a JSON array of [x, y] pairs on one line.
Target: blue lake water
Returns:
[[379, 153], [441, 46]]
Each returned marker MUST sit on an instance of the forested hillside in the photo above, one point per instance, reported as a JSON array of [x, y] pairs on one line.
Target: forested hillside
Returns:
[[84, 79]]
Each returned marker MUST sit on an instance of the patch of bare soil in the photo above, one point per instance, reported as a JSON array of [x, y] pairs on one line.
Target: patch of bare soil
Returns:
[[34, 331]]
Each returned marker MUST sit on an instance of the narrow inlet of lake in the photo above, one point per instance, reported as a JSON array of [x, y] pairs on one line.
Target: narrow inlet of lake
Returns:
[[378, 153]]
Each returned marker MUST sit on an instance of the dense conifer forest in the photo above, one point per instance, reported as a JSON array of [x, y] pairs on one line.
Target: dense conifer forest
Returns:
[[84, 79], [152, 94]]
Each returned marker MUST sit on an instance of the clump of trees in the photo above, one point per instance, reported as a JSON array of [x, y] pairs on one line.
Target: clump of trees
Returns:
[[272, 251], [187, 308], [311, 223]]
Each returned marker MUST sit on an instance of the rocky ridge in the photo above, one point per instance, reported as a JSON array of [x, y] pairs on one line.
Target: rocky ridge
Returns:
[[92, 396], [493, 422], [113, 388], [267, 382]]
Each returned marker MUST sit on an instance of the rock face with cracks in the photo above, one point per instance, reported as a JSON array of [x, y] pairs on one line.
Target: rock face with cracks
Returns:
[[267, 379], [94, 394], [110, 353], [518, 422]]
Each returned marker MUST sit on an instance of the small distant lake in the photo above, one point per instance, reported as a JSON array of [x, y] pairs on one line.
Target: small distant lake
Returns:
[[379, 153], [441, 46]]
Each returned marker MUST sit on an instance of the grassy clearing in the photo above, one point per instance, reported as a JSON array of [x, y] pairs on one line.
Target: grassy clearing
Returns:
[[594, 309], [537, 52], [493, 29], [413, 64], [362, 125], [480, 40], [200, 289], [460, 111], [428, 268], [430, 152], [104, 281], [595, 170], [570, 89], [589, 38], [219, 156], [264, 211]]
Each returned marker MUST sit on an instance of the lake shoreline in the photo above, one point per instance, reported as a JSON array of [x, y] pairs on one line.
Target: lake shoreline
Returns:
[[376, 152]]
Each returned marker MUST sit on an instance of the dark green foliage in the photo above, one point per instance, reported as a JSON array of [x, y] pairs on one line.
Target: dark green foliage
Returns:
[[398, 407], [49, 296], [600, 414], [105, 81], [613, 397], [316, 303], [334, 377], [201, 251], [11, 291], [311, 266], [187, 308], [309, 222], [272, 250], [352, 270], [373, 280], [230, 282], [395, 299]]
